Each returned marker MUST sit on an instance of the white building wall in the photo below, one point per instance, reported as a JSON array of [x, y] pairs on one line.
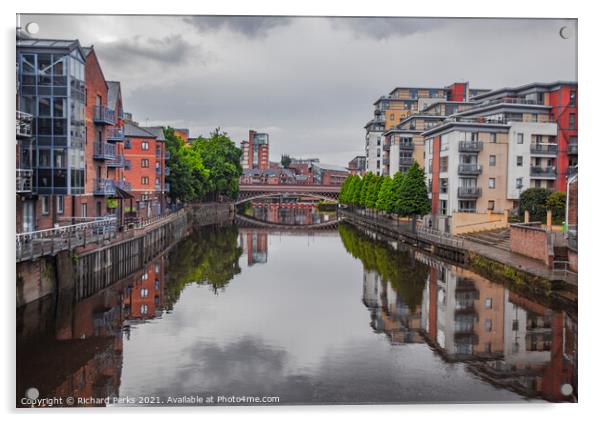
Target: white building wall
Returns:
[[394, 158], [372, 148], [515, 149]]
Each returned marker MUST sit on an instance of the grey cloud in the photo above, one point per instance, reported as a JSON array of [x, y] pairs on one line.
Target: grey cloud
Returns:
[[172, 49], [386, 27], [251, 26]]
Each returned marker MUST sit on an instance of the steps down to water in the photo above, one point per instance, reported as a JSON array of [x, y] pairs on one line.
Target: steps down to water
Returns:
[[499, 238]]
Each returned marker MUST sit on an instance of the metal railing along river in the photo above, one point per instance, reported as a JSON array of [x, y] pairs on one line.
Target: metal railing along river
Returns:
[[38, 243]]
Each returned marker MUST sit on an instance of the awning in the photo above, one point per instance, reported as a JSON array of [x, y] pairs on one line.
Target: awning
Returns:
[[120, 193]]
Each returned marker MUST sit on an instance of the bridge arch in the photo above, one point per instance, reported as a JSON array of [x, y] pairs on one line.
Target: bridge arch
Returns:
[[251, 196]]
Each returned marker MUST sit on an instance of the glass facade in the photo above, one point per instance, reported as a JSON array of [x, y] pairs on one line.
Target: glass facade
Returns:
[[52, 90]]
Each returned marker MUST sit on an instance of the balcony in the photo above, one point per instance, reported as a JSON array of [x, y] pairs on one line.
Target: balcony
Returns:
[[115, 134], [386, 146], [123, 185], [24, 124], [470, 146], [158, 188], [158, 170], [470, 192], [406, 161], [104, 187], [571, 170], [386, 162], [167, 171], [104, 151], [544, 149], [167, 155], [470, 169], [167, 187], [543, 172], [119, 162], [406, 146], [104, 115], [572, 148], [158, 153], [24, 180]]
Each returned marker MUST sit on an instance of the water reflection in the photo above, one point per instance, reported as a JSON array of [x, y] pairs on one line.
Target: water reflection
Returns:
[[298, 211], [331, 317]]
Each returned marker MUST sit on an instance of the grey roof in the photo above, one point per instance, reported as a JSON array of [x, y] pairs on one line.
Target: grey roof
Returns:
[[521, 88], [251, 172], [114, 90], [155, 130], [87, 50], [134, 131], [38, 43]]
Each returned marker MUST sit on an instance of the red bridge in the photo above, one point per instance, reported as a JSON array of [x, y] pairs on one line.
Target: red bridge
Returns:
[[251, 192]]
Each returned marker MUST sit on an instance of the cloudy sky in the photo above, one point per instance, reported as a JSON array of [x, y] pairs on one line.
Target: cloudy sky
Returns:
[[308, 82]]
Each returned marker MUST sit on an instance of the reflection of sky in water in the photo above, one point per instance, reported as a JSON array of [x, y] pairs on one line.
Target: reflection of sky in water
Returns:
[[295, 327]]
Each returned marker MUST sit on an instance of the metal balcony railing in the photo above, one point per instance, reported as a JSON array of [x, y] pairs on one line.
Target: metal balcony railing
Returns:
[[406, 161], [119, 161], [386, 162], [103, 151], [571, 170], [167, 155], [24, 180], [543, 171], [167, 171], [544, 149], [406, 146], [115, 134], [572, 148], [122, 184], [469, 192], [471, 169], [24, 121], [470, 146], [38, 243], [386, 146], [104, 115], [104, 187]]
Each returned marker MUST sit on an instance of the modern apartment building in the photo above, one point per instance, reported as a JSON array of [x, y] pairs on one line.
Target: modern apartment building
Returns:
[[402, 102], [256, 151], [145, 168], [357, 165], [51, 131]]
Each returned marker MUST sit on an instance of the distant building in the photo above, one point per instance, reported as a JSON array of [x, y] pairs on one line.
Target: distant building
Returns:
[[357, 165], [326, 174], [256, 151]]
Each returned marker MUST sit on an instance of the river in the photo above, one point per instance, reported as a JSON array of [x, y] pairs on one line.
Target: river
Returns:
[[241, 315]]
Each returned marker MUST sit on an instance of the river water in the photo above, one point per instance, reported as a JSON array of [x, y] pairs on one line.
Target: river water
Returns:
[[322, 317]]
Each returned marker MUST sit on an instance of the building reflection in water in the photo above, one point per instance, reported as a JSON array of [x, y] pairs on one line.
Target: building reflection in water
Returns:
[[254, 244], [297, 211], [75, 349], [502, 337]]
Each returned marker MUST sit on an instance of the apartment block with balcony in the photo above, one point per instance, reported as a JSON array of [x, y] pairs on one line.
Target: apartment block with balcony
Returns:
[[256, 151], [50, 130], [144, 150], [357, 165], [466, 167], [554, 102]]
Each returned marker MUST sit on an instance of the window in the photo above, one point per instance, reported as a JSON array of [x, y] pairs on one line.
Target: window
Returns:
[[443, 207], [377, 164], [491, 205], [572, 121], [573, 98], [144, 180], [494, 138], [519, 161], [145, 276], [127, 144], [143, 309], [391, 116], [144, 162], [491, 183], [488, 303], [443, 186], [45, 205], [492, 160], [143, 293], [60, 204], [519, 138], [378, 141], [488, 325], [474, 136], [515, 325], [519, 183], [443, 165], [144, 145]]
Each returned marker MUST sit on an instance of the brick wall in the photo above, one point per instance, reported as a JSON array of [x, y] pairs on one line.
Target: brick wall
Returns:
[[529, 241], [572, 212]]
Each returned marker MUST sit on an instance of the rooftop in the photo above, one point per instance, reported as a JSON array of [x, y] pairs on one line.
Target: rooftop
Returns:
[[155, 130], [135, 131], [532, 85]]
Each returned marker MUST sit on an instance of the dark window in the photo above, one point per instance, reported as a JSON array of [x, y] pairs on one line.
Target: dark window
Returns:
[[572, 121], [573, 98]]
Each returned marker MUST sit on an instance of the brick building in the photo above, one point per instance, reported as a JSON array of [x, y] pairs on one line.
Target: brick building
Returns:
[[144, 150], [357, 165], [256, 151]]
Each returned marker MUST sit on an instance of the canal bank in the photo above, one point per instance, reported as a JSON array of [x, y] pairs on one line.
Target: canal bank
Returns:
[[90, 267], [518, 272]]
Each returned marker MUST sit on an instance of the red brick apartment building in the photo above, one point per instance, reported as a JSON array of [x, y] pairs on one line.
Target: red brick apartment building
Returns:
[[256, 151], [145, 169]]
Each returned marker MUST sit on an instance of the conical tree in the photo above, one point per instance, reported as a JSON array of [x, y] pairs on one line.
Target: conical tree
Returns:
[[414, 200]]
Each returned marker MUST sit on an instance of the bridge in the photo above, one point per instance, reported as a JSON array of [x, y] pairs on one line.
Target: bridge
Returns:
[[251, 192]]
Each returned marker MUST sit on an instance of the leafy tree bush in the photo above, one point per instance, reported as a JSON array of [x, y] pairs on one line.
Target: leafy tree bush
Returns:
[[535, 201], [556, 202]]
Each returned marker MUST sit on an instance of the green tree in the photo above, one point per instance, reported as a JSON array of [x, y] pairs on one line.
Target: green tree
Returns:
[[222, 158], [385, 201], [556, 203], [285, 160], [396, 188], [357, 190], [373, 191], [414, 200], [188, 175], [366, 183], [534, 200]]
